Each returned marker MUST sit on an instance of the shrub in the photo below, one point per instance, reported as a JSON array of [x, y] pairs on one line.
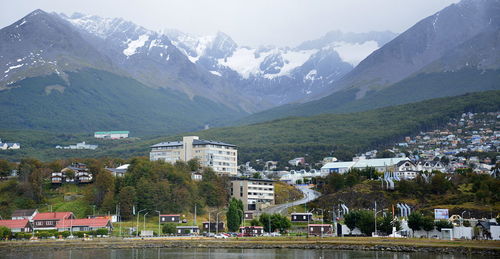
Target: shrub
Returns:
[[5, 232], [168, 228], [102, 231], [443, 224], [65, 234]]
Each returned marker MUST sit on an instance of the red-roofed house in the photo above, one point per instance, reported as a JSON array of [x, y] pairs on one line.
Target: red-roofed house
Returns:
[[48, 220], [17, 225], [84, 224]]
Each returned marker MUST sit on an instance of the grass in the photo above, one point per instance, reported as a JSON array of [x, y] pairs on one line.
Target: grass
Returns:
[[381, 243]]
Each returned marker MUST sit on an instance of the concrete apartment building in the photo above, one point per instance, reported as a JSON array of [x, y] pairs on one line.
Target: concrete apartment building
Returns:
[[111, 134], [255, 194], [221, 157]]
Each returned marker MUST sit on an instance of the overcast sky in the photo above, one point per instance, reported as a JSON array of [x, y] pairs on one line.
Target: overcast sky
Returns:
[[250, 22]]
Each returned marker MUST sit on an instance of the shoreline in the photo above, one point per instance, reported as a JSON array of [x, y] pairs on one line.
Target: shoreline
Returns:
[[365, 244]]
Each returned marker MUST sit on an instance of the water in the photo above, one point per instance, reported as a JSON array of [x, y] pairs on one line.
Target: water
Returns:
[[153, 253]]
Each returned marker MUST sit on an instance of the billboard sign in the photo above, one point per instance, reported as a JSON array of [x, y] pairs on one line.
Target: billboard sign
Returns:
[[441, 214]]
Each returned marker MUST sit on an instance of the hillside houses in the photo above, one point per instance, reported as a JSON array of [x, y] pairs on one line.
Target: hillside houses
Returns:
[[9, 145], [75, 173], [446, 149]]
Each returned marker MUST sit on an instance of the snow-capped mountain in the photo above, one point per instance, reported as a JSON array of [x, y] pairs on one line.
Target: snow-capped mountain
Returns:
[[41, 44], [280, 75], [151, 58], [214, 67]]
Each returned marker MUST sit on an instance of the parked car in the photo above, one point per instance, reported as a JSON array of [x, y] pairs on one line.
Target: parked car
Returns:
[[221, 236]]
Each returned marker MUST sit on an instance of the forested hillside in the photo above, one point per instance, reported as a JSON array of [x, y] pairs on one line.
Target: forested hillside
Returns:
[[341, 135]]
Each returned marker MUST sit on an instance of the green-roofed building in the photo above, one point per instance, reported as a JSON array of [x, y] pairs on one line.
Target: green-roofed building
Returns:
[[111, 134]]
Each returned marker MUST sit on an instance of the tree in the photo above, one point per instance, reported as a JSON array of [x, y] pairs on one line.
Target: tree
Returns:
[[386, 223], [234, 215], [5, 232], [280, 222], [126, 201], [351, 219], [440, 224], [439, 184], [427, 224], [265, 221], [104, 183], [5, 168], [169, 228], [194, 164], [335, 182], [255, 222], [366, 222], [386, 154], [415, 221]]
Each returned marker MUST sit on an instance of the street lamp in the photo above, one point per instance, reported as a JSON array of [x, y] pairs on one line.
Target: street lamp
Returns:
[[159, 229], [322, 220], [145, 220], [217, 223], [137, 229], [462, 223]]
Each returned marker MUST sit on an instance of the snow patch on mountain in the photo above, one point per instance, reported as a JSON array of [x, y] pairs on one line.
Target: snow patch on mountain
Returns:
[[13, 67], [133, 45], [215, 73], [244, 61], [293, 59], [354, 53]]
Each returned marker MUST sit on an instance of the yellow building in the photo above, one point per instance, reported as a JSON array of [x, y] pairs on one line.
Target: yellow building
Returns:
[[221, 157]]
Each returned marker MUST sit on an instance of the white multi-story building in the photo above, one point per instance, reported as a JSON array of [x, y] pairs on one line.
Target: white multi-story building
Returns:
[[255, 194], [221, 157]]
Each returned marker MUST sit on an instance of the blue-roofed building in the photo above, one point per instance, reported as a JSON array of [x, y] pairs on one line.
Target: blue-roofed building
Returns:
[[221, 157]]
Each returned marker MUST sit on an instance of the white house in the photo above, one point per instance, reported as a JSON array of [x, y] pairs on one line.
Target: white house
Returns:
[[380, 164], [6, 145]]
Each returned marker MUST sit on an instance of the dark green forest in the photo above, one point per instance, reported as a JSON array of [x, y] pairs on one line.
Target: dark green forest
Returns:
[[340, 135], [94, 100]]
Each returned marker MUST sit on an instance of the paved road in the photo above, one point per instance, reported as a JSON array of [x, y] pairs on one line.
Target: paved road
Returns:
[[309, 195]]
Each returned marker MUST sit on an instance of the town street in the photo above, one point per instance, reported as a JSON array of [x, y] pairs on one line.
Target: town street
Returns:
[[309, 195]]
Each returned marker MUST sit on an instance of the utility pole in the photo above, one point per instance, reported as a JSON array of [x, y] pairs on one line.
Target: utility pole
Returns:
[[137, 230], [195, 214], [145, 220], [375, 215], [159, 229]]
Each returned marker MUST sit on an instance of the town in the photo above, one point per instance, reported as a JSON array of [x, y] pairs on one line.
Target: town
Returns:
[[252, 204]]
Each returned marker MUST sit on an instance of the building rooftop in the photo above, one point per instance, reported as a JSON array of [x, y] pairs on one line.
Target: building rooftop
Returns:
[[195, 142], [15, 223], [23, 213], [52, 215], [168, 144], [111, 132], [211, 142], [96, 222]]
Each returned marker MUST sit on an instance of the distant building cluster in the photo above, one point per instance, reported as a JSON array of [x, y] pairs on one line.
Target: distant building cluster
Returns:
[[9, 145], [81, 145], [111, 134]]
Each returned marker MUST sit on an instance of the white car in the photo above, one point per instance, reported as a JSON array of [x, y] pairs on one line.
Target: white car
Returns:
[[220, 236]]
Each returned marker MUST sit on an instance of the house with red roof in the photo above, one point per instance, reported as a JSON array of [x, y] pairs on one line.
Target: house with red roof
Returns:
[[17, 225], [84, 224], [48, 220]]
